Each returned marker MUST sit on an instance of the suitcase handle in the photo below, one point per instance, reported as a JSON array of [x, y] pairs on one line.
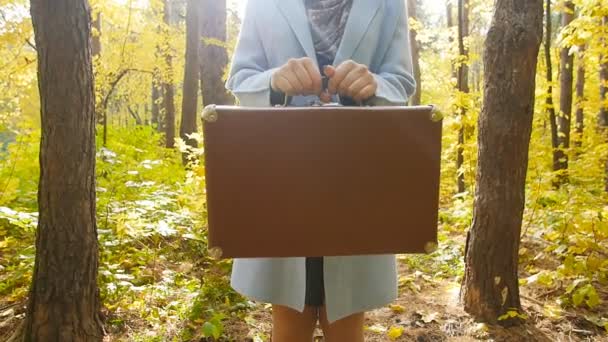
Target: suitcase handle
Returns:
[[317, 102]]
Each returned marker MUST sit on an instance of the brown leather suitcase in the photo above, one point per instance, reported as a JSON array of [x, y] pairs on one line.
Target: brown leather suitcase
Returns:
[[321, 181]]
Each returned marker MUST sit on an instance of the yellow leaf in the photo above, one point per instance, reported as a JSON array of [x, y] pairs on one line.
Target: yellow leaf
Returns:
[[397, 308], [395, 332]]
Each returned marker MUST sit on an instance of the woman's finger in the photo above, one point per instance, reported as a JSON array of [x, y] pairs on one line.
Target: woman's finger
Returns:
[[301, 74], [340, 73], [296, 86], [284, 85], [329, 70], [314, 74], [356, 74], [366, 93], [355, 88]]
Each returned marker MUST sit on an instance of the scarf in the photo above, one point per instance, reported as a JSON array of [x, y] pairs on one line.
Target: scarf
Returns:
[[327, 20]]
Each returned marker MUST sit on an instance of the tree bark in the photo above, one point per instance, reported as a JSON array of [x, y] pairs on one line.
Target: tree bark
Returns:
[[565, 103], [64, 300], [191, 74], [580, 98], [463, 85], [168, 89], [549, 99], [214, 57], [490, 286], [416, 98], [96, 37]]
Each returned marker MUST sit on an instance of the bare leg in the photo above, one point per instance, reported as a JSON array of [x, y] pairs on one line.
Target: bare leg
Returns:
[[289, 325], [347, 329]]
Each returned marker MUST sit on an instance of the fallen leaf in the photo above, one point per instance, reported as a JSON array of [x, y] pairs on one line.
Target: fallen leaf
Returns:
[[395, 332], [430, 317], [377, 328], [397, 308]]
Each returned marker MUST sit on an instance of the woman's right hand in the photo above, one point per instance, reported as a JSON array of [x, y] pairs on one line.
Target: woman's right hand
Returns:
[[297, 77]]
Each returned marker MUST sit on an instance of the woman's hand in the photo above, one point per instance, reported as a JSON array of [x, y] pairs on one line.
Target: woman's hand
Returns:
[[351, 79], [297, 77]]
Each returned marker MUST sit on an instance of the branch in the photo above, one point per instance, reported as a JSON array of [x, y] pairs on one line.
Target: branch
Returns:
[[114, 83], [29, 42], [135, 116]]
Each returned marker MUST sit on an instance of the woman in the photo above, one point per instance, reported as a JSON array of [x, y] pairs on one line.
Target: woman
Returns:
[[284, 50]]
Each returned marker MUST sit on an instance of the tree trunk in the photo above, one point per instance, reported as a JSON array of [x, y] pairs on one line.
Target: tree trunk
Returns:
[[549, 99], [64, 300], [168, 90], [156, 99], [416, 99], [214, 57], [463, 84], [191, 74], [490, 286], [96, 35], [565, 103], [580, 98]]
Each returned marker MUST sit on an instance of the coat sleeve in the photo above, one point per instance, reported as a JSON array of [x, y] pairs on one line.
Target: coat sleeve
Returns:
[[396, 83], [249, 77]]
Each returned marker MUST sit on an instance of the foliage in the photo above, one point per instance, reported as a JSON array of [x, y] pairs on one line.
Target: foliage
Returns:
[[154, 269], [156, 280]]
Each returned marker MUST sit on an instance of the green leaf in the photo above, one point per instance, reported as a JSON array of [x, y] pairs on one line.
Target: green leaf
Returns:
[[578, 297], [211, 330]]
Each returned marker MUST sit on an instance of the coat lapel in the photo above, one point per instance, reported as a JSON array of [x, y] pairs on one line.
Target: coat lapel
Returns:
[[359, 20], [295, 13]]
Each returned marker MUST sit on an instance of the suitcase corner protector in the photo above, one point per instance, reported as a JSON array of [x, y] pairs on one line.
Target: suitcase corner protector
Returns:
[[210, 113], [436, 114], [216, 252], [430, 247]]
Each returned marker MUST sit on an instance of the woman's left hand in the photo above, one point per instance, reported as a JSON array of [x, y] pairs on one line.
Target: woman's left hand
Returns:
[[350, 79]]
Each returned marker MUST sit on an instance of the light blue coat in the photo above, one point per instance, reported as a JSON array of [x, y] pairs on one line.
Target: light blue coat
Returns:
[[274, 31]]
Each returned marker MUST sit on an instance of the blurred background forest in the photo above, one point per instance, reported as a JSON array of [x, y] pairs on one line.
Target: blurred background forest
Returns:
[[156, 63]]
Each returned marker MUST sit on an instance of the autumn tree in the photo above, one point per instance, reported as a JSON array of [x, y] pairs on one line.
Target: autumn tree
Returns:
[[213, 56], [64, 300], [580, 97], [462, 84], [565, 103], [414, 26], [603, 112], [490, 285], [549, 97], [156, 94], [167, 85], [191, 72]]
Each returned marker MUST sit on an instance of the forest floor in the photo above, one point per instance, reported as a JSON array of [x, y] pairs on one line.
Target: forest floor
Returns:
[[427, 310]]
